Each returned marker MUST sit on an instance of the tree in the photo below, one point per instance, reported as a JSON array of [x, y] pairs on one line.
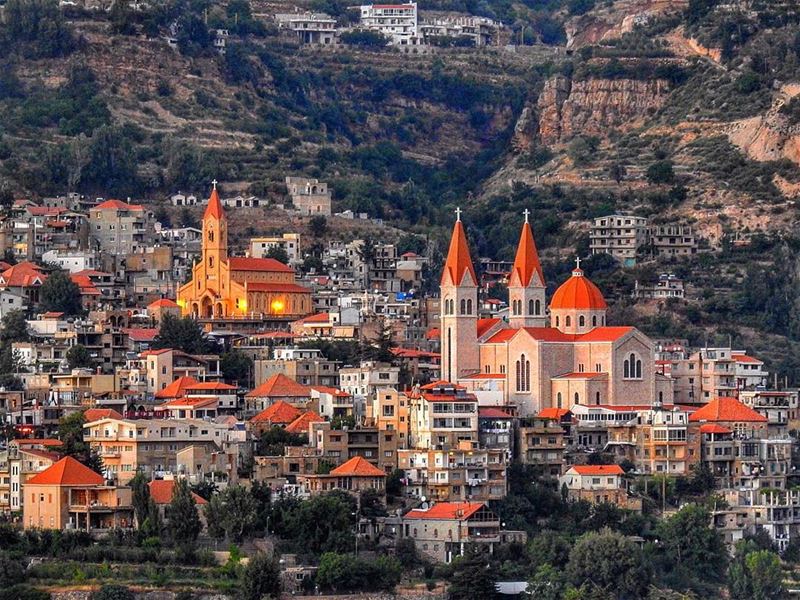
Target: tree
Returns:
[[236, 366], [609, 561], [279, 254], [473, 577], [113, 592], [260, 578], [181, 333], [379, 348], [235, 511], [193, 35], [140, 492], [617, 172], [37, 27], [12, 571], [318, 225], [14, 327], [78, 356], [111, 161], [406, 552], [183, 520], [547, 583], [688, 544], [60, 294], [363, 38], [755, 574], [324, 523], [661, 172], [70, 432], [347, 573]]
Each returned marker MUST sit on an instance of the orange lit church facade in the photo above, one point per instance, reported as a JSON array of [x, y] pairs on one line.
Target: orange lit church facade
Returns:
[[229, 287]]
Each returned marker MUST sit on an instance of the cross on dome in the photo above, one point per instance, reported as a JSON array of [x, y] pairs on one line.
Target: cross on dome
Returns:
[[458, 213], [526, 212]]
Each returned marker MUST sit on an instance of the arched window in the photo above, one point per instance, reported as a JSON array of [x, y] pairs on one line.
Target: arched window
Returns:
[[558, 399], [527, 376], [626, 369], [632, 367], [537, 308], [557, 321], [597, 398], [210, 235], [661, 396], [449, 354], [463, 306], [519, 376], [638, 369], [594, 321], [567, 321], [469, 306], [581, 321], [530, 307], [577, 398], [211, 261], [603, 318]]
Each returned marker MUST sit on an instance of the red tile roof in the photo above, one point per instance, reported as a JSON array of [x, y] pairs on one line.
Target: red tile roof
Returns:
[[714, 428], [553, 413], [117, 205], [52, 314], [280, 413], [24, 274], [163, 303], [280, 386], [95, 414], [727, 410], [193, 402], [581, 376], [51, 456], [301, 423], [161, 491], [177, 388], [317, 318], [240, 263], [432, 333], [289, 288], [484, 376], [216, 386], [604, 334], [214, 207], [458, 261], [67, 471], [743, 358], [357, 466], [493, 412], [85, 284], [446, 510], [141, 334], [598, 469], [46, 442], [484, 325]]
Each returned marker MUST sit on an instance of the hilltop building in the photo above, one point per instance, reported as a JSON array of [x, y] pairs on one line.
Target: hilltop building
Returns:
[[225, 286]]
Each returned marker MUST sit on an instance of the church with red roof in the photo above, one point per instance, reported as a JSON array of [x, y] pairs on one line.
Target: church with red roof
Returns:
[[541, 359], [224, 286]]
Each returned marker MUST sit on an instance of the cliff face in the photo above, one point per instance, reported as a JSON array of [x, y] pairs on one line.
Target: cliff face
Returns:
[[593, 106]]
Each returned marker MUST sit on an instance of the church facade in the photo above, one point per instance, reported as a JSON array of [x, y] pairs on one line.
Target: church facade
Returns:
[[538, 360], [230, 287]]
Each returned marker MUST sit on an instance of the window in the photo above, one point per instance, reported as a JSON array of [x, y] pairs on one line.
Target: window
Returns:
[[558, 399], [597, 398], [581, 321], [594, 321], [469, 306], [537, 306], [557, 321], [523, 372], [577, 398], [567, 321], [632, 367]]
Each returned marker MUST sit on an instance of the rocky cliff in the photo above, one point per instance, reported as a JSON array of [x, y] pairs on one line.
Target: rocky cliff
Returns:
[[593, 106]]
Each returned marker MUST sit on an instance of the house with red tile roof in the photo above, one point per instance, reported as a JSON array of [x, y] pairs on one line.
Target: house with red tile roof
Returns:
[[599, 484], [279, 387], [23, 279], [300, 425], [278, 414], [442, 531], [69, 495], [354, 476], [158, 309], [119, 228]]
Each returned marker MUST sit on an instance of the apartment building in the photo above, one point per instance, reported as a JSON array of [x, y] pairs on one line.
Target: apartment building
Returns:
[[367, 380], [379, 448], [22, 460], [309, 27], [162, 367], [779, 406], [463, 473], [599, 484], [621, 236], [668, 286], [119, 228], [442, 415], [152, 445], [389, 411], [672, 240], [541, 442], [398, 22], [306, 366], [750, 373], [713, 372], [288, 242]]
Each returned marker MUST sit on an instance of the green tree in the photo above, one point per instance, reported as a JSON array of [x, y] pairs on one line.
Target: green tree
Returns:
[[235, 511], [183, 521], [260, 578], [364, 38], [323, 523], [688, 544], [140, 492], [182, 333], [36, 28], [473, 577], [194, 38], [70, 432], [610, 562], [236, 367], [661, 172], [113, 592], [318, 225], [547, 583], [406, 552], [379, 348], [279, 254], [60, 294], [14, 327], [755, 574], [12, 571], [111, 162], [78, 356]]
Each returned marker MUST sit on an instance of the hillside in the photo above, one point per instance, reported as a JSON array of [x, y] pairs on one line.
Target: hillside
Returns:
[[684, 112]]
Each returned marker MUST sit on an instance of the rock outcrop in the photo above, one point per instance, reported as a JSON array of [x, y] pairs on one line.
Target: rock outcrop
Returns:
[[593, 106]]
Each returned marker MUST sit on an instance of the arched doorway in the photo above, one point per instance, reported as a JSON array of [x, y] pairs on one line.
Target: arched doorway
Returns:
[[206, 308], [219, 311]]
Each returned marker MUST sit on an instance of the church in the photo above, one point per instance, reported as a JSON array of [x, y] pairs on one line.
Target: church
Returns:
[[537, 359], [224, 287]]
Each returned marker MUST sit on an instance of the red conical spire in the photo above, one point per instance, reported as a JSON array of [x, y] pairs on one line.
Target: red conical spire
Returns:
[[527, 262], [458, 258], [214, 208]]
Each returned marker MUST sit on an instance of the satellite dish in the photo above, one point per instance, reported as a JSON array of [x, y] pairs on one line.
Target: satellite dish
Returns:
[[424, 506]]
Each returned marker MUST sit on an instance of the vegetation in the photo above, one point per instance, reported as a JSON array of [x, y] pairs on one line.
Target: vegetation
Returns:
[[60, 294], [78, 356], [181, 333], [183, 520]]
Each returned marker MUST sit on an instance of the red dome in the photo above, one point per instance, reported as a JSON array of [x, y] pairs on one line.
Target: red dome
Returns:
[[578, 293]]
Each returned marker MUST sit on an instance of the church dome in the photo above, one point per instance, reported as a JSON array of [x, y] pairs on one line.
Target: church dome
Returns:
[[578, 293]]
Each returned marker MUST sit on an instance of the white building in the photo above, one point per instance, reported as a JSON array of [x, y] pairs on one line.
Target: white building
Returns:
[[289, 242], [184, 200], [398, 22], [73, 261], [309, 27]]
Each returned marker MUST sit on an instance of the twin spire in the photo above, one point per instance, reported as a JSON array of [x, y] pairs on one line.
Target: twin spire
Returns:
[[526, 262]]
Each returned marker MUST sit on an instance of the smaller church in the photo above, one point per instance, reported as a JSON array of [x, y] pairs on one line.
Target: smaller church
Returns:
[[224, 287]]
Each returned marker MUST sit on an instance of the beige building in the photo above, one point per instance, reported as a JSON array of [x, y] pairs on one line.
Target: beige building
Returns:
[[309, 196], [621, 236], [354, 476], [288, 242], [673, 240], [69, 495], [119, 228], [541, 443], [599, 484], [309, 27], [441, 416]]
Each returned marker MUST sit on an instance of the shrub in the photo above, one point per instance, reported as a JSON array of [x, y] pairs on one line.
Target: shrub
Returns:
[[365, 39]]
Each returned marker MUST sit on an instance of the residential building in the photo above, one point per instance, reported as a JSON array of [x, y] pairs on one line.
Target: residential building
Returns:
[[540, 442], [668, 286], [441, 416], [398, 22], [355, 476], [619, 235], [306, 366], [672, 240], [599, 484], [309, 27], [119, 228], [288, 242], [278, 387], [309, 196]]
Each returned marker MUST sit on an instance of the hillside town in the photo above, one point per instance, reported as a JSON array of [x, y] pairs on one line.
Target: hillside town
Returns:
[[187, 367]]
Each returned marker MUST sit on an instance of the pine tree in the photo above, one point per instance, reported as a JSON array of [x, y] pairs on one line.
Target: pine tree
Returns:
[[473, 578], [182, 518], [60, 294]]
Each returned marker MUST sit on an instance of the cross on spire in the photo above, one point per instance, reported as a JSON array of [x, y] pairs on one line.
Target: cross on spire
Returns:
[[214, 182], [526, 212], [458, 213]]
